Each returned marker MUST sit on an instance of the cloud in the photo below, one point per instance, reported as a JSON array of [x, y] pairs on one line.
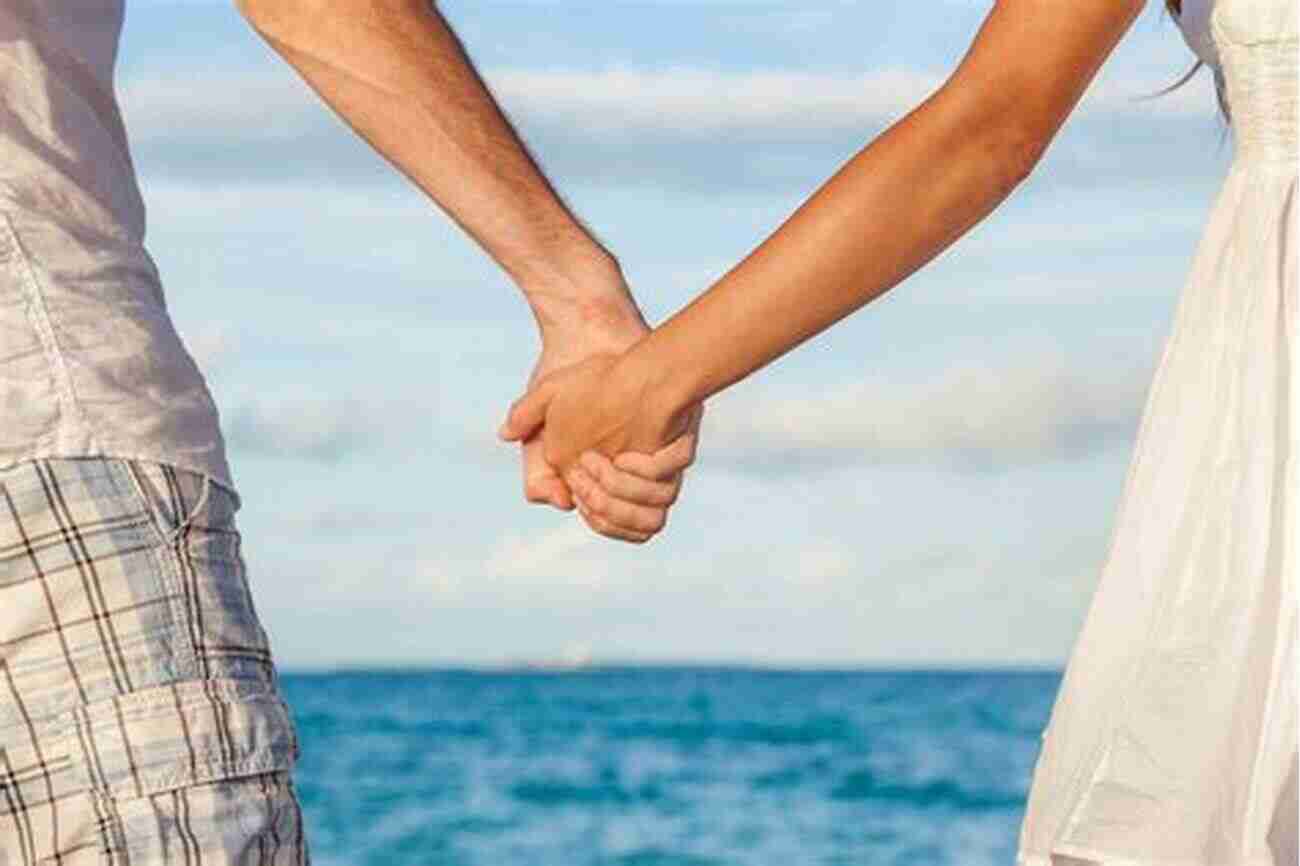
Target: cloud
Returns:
[[567, 554], [212, 344], [800, 599], [703, 104], [324, 429], [972, 416], [686, 128]]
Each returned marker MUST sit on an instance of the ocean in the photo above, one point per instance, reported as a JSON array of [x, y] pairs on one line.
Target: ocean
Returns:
[[667, 766]]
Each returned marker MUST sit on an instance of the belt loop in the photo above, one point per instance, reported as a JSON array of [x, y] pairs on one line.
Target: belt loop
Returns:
[[183, 516], [198, 506]]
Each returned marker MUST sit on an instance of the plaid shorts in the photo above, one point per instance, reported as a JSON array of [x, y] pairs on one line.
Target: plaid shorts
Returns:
[[141, 721]]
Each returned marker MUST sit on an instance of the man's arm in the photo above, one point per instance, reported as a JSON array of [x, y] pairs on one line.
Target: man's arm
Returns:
[[395, 72]]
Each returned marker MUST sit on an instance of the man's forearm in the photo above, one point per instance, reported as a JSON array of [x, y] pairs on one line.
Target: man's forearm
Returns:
[[395, 72]]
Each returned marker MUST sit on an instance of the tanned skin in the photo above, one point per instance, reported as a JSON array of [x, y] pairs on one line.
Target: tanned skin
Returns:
[[395, 72], [907, 196]]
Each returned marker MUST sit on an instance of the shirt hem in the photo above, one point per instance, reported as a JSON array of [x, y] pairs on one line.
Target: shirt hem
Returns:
[[1101, 858]]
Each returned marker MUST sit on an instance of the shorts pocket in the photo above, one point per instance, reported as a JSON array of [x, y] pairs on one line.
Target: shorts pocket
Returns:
[[195, 538], [187, 511], [178, 735], [249, 820], [173, 499]]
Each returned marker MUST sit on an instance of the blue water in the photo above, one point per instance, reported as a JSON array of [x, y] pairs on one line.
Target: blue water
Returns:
[[667, 767]]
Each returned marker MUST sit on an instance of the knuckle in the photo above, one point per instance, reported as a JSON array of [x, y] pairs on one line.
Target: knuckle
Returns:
[[598, 500]]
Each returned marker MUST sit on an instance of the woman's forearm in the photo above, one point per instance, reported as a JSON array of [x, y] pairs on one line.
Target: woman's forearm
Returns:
[[896, 205], [887, 212]]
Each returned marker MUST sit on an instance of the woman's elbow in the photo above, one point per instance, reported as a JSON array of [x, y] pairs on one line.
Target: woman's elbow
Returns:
[[253, 10], [263, 15], [1014, 153]]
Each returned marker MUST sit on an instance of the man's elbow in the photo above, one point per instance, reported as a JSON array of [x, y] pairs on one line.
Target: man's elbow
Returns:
[[272, 14], [279, 17]]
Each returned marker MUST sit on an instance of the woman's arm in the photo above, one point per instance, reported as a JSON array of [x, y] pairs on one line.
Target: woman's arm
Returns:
[[897, 204], [911, 193]]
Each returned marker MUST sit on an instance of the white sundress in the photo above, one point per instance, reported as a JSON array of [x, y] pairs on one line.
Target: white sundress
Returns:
[[1172, 741]]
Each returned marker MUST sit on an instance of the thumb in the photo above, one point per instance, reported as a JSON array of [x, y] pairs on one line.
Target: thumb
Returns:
[[528, 413]]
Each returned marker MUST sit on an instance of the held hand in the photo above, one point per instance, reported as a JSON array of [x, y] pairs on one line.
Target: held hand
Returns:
[[571, 333], [597, 405], [628, 498]]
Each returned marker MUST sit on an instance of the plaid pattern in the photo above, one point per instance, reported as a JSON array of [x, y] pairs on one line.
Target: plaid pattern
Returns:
[[140, 716]]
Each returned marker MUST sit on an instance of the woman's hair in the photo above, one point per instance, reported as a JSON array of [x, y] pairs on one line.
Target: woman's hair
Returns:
[[1175, 8]]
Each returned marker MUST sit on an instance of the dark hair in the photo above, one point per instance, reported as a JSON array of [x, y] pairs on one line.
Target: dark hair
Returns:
[[1175, 8]]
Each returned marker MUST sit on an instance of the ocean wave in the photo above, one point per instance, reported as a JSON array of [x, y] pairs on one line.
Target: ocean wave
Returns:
[[865, 785], [696, 732]]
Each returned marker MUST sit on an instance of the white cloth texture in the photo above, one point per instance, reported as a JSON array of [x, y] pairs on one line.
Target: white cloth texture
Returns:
[[90, 363], [1172, 741]]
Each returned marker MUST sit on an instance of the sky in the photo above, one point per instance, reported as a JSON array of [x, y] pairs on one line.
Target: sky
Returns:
[[931, 482]]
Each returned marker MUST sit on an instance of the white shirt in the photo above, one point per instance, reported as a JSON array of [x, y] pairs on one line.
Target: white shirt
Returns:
[[90, 363]]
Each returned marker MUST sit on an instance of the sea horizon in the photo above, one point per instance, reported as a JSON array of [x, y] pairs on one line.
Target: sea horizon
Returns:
[[547, 665]]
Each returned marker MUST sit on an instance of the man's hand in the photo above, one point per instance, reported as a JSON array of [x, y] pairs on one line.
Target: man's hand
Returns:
[[398, 76]]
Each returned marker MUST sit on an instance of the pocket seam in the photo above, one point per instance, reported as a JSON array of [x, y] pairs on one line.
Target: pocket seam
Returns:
[[262, 740], [166, 565], [164, 535], [211, 768]]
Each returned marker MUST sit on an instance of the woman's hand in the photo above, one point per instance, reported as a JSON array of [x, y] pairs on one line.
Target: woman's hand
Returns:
[[603, 406], [607, 323], [562, 348]]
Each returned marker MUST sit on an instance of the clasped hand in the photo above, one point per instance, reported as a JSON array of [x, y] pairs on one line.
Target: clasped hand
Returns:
[[621, 457]]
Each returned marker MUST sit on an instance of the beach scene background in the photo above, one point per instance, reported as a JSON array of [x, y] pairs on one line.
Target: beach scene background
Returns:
[[844, 647]]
